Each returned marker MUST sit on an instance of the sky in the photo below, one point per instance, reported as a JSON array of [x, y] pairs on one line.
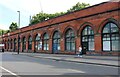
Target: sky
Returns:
[[27, 8]]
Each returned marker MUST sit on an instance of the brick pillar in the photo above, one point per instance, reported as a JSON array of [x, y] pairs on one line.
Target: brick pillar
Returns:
[[21, 46], [98, 43], [78, 43], [33, 46], [26, 45], [50, 45], [62, 45]]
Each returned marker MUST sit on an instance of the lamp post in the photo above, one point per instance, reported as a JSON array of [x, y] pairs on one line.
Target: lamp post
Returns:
[[19, 31]]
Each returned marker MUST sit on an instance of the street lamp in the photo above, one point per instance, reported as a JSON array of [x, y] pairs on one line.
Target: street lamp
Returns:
[[19, 19], [19, 31]]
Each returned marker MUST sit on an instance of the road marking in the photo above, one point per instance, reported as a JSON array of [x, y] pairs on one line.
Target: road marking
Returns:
[[76, 70], [8, 71]]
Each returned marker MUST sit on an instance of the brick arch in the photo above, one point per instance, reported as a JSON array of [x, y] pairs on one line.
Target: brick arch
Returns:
[[34, 35], [84, 25], [107, 21], [23, 37], [52, 33], [69, 27], [44, 33], [28, 35]]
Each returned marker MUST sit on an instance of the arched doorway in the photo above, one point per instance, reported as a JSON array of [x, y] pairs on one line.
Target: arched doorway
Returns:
[[87, 40], [56, 42]]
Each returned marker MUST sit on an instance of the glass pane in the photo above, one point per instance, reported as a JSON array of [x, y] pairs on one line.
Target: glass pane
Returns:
[[56, 35], [72, 39], [114, 27], [67, 46], [117, 37], [68, 40], [58, 46], [106, 28], [72, 46], [84, 31], [44, 46], [55, 41], [70, 33], [108, 37], [91, 46], [113, 37], [37, 38], [46, 36], [115, 45], [47, 46], [106, 45]]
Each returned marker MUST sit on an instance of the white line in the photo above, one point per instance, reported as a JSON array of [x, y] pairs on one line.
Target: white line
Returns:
[[8, 71], [76, 70]]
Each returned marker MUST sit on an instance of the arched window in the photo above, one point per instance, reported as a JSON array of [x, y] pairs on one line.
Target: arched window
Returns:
[[70, 40], [24, 43], [56, 41], [37, 42], [45, 42], [30, 43], [88, 39], [111, 37]]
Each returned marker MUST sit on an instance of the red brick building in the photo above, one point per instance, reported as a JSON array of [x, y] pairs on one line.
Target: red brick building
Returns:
[[96, 29]]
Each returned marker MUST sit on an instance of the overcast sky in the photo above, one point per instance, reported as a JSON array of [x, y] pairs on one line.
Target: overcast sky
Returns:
[[27, 8]]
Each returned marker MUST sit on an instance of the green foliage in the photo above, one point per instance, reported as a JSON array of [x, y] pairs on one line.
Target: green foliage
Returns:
[[78, 6], [3, 31], [44, 16], [13, 26]]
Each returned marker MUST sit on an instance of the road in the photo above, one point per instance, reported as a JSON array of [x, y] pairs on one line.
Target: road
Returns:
[[13, 64]]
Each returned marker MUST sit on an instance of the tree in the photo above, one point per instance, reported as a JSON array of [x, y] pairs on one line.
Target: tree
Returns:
[[3, 31], [78, 6], [44, 16], [13, 26]]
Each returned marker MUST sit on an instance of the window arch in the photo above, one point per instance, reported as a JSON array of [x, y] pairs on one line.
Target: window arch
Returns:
[[111, 37], [37, 42], [70, 40], [24, 43], [30, 43], [88, 39], [45, 41], [56, 41]]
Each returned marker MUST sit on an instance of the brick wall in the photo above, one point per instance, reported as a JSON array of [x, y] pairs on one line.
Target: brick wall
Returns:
[[95, 16]]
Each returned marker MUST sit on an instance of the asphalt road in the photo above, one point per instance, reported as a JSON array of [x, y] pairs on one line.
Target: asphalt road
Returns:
[[13, 64]]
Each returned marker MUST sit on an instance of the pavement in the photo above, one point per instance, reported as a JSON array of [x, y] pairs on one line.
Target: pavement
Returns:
[[87, 59]]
